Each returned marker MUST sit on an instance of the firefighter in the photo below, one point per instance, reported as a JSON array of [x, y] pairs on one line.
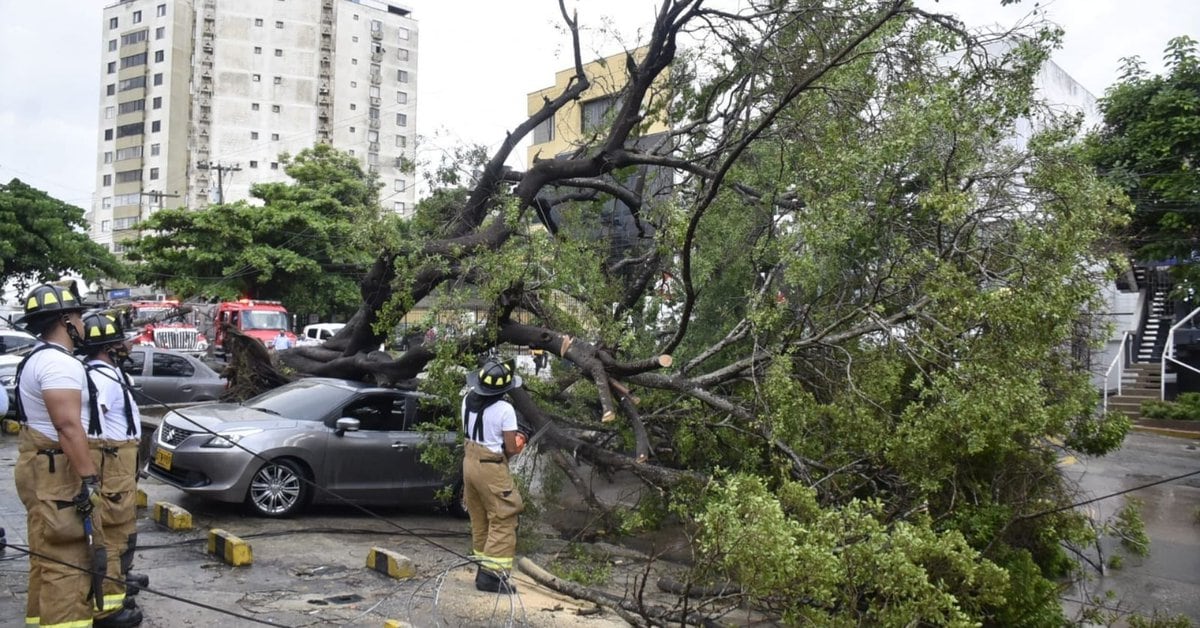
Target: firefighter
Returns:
[[55, 477], [493, 501], [115, 453]]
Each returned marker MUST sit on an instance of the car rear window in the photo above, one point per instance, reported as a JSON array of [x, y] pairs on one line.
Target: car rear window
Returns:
[[302, 401]]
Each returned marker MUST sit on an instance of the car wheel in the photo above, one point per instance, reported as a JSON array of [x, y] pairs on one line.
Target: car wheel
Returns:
[[458, 503], [279, 489]]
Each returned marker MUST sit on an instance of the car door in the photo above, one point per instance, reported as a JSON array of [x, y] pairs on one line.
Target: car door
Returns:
[[170, 378], [364, 465], [135, 367], [420, 482]]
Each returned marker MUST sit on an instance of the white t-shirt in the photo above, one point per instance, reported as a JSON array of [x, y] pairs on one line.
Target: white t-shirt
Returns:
[[497, 419], [51, 369], [111, 398]]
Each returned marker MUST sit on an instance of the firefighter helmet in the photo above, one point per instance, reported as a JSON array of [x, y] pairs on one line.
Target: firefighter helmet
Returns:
[[494, 377], [100, 330], [49, 299]]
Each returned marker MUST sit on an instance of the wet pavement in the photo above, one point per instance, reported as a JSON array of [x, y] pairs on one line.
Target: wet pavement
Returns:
[[1168, 579]]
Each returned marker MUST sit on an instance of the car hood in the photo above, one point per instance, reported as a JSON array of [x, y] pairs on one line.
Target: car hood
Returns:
[[221, 415]]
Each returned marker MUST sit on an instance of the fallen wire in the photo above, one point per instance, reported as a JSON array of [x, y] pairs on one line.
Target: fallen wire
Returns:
[[440, 581], [1107, 496]]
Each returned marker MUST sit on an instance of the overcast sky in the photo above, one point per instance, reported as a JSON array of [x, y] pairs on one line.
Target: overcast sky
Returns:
[[478, 59]]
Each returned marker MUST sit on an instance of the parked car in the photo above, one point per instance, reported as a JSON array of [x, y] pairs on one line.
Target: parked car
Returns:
[[165, 376], [15, 341], [8, 379], [352, 439], [317, 333]]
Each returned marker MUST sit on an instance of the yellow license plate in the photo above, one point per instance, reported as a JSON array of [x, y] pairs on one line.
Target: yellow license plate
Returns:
[[162, 458]]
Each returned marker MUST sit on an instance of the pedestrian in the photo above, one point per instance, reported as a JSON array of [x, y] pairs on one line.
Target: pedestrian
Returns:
[[115, 453], [539, 360], [282, 342], [55, 476], [493, 501]]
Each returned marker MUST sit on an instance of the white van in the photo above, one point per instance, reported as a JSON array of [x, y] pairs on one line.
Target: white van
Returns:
[[318, 333]]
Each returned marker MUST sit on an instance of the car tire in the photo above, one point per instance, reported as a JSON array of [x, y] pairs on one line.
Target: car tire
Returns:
[[458, 503], [280, 488]]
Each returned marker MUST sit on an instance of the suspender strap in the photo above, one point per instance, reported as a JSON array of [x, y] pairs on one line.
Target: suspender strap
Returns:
[[94, 427], [477, 404], [21, 418], [122, 380]]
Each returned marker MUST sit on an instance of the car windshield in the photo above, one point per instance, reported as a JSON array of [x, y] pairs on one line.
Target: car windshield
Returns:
[[302, 401], [253, 319]]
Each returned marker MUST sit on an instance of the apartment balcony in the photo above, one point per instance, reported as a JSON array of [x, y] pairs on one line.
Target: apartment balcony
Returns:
[[373, 123]]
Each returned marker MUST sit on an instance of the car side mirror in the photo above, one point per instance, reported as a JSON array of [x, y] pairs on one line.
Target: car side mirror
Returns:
[[347, 424]]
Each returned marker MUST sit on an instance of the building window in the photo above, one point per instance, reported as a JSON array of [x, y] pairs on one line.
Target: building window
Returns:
[[106, 202], [133, 60], [401, 119], [278, 52], [402, 98], [112, 22], [155, 149], [258, 50], [136, 82], [353, 61], [275, 108], [122, 200], [161, 10], [401, 141], [253, 106], [129, 176], [400, 185], [157, 102], [353, 84], [135, 37], [104, 223], [160, 32], [373, 159], [373, 113], [110, 89], [402, 76], [153, 173], [354, 39], [137, 17], [112, 67], [274, 165], [254, 135], [374, 91], [131, 106], [125, 223], [376, 26], [278, 80], [253, 163], [274, 137], [110, 113], [372, 136], [398, 206], [155, 126], [355, 17], [279, 24], [158, 78], [258, 21], [402, 54], [108, 134], [403, 33], [108, 156], [596, 113], [112, 45], [256, 77], [544, 132], [107, 179], [351, 130], [159, 55], [125, 130], [132, 152]]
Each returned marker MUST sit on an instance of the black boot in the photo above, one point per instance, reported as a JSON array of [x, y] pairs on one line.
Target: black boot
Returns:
[[492, 582], [135, 582], [124, 618]]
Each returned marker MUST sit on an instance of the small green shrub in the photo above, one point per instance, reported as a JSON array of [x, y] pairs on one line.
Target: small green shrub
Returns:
[[1185, 408]]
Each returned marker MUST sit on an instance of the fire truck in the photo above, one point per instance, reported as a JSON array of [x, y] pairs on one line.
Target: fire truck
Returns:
[[261, 320], [163, 325]]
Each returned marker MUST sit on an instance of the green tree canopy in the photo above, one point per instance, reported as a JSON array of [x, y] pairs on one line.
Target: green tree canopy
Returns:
[[43, 238], [1149, 145], [301, 242]]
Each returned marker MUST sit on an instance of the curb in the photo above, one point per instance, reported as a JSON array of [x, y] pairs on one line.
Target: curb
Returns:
[[391, 564], [172, 516], [229, 548]]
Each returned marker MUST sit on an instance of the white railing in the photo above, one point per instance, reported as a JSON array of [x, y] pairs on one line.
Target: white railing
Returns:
[[1118, 362], [1169, 354]]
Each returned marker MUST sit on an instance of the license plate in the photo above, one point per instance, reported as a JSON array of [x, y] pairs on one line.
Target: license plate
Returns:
[[162, 458]]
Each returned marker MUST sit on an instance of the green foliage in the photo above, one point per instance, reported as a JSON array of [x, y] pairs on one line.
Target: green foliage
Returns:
[[306, 244], [43, 238], [1159, 619], [1148, 146], [1099, 435], [1130, 528], [1185, 408], [582, 565]]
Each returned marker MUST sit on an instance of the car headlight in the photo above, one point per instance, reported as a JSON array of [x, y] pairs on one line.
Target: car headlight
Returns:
[[202, 345], [226, 440]]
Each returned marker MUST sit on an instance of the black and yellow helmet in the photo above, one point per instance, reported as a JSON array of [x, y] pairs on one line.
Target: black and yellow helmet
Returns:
[[495, 377], [100, 330], [50, 299]]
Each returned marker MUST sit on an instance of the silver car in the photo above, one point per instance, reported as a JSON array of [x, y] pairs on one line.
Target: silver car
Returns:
[[165, 376], [353, 440]]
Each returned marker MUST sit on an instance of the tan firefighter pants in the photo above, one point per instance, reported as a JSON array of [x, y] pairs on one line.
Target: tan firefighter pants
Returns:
[[493, 502], [46, 484], [117, 462]]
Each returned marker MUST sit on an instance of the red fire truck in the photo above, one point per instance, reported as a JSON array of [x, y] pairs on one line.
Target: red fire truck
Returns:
[[262, 320], [165, 327]]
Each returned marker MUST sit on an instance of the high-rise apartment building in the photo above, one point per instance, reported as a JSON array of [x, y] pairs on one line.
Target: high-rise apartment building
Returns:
[[200, 97]]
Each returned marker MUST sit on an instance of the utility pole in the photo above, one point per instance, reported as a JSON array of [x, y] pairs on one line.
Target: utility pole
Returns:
[[221, 170]]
